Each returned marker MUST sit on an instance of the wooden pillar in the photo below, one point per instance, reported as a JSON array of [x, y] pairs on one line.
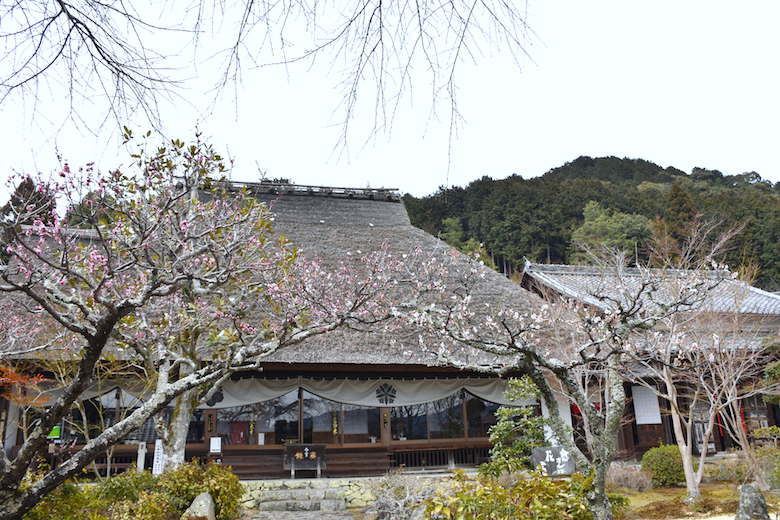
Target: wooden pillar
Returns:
[[300, 415], [5, 406], [625, 442]]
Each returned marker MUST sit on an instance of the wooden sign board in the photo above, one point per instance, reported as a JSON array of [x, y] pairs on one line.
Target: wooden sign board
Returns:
[[553, 460], [304, 456]]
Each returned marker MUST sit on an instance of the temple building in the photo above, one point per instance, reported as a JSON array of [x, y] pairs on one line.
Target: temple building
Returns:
[[373, 403]]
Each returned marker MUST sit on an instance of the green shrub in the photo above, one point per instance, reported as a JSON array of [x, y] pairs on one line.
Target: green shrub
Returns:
[[771, 433], [731, 469], [190, 480], [769, 459], [665, 463], [226, 490], [143, 496], [517, 432], [67, 502], [124, 486], [620, 504], [536, 496], [768, 456], [156, 505]]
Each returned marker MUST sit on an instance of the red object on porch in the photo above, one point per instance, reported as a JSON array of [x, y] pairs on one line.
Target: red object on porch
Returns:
[[239, 432]]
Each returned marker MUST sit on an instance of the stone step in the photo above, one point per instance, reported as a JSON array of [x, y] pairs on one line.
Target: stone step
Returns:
[[303, 505], [274, 495], [270, 495]]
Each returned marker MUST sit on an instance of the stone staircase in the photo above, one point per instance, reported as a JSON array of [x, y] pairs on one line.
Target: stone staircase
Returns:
[[296, 495]]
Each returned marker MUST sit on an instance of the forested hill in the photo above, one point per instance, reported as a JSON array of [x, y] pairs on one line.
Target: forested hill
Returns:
[[540, 217]]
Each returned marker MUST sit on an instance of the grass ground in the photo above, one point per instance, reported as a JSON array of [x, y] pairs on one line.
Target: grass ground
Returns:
[[718, 499]]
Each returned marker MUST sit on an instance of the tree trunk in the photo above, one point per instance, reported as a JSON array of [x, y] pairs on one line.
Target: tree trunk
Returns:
[[174, 441], [604, 429], [708, 434], [754, 465], [685, 444], [599, 506], [605, 441], [691, 477], [740, 435], [174, 434], [684, 435]]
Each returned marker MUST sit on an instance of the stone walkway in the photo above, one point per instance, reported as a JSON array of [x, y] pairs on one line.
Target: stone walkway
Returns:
[[300, 515]]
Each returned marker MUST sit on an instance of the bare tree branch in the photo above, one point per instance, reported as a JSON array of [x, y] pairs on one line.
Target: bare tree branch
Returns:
[[121, 53]]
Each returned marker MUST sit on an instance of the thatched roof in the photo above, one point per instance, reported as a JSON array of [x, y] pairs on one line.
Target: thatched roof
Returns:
[[334, 224], [331, 226]]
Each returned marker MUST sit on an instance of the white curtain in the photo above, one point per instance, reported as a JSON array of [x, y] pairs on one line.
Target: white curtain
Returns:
[[646, 405], [106, 391], [363, 392]]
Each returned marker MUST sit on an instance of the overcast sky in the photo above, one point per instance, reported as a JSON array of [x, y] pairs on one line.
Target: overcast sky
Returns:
[[684, 84]]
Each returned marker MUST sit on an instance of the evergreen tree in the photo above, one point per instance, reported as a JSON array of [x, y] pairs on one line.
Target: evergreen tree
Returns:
[[535, 218], [615, 230], [452, 233], [28, 204], [680, 211]]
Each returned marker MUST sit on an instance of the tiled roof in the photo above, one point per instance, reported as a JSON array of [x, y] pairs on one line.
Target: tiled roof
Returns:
[[591, 285]]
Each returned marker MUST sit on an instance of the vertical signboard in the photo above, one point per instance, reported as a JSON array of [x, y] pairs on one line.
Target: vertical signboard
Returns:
[[157, 465]]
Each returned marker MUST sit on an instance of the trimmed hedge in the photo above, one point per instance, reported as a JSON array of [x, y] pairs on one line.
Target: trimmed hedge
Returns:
[[665, 463]]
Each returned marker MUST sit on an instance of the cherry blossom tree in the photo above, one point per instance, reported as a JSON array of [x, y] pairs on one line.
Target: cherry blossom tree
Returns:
[[736, 354], [704, 364], [168, 267], [561, 340]]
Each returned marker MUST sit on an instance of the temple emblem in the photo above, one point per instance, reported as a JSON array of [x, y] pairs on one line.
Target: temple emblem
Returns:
[[385, 394]]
